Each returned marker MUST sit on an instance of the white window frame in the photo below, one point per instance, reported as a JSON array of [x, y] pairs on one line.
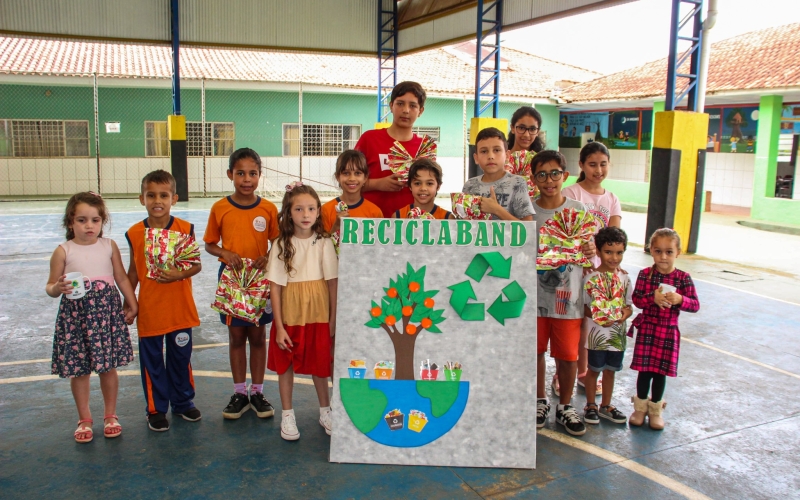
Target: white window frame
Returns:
[[319, 139], [214, 146], [17, 142], [435, 133]]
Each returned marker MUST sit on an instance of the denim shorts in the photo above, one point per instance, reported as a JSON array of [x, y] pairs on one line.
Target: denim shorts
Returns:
[[605, 360]]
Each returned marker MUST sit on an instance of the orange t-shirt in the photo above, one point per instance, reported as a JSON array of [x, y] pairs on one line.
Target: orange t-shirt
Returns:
[[437, 212], [362, 209], [244, 230], [163, 307]]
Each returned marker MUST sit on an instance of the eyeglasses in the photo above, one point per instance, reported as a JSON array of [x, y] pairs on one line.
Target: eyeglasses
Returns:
[[522, 129], [554, 174]]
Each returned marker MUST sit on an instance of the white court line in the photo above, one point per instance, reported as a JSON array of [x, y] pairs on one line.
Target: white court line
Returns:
[[626, 463], [47, 360], [131, 373], [763, 365]]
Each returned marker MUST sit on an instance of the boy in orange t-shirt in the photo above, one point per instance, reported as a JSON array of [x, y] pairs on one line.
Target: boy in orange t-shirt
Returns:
[[245, 224], [166, 311]]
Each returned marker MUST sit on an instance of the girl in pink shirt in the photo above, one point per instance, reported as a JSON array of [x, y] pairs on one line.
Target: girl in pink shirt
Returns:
[[594, 163]]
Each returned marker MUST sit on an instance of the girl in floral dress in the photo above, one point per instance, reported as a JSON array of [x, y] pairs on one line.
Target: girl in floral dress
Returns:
[[662, 292], [91, 333]]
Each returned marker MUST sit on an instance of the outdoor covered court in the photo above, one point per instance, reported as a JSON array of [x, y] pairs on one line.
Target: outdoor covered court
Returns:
[[731, 429]]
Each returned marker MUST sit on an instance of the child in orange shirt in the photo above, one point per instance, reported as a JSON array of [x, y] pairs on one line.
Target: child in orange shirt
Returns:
[[246, 224], [424, 180], [351, 174], [171, 383]]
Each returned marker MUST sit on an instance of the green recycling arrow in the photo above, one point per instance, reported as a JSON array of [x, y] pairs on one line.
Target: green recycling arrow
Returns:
[[501, 311], [501, 268], [462, 292]]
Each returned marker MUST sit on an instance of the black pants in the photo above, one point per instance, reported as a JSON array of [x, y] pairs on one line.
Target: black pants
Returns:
[[643, 385]]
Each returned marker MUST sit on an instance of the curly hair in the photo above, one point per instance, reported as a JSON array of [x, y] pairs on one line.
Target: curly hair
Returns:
[[91, 199], [286, 225]]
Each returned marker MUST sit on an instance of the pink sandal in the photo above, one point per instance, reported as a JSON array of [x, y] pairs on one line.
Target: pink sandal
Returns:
[[85, 432], [111, 429], [598, 390]]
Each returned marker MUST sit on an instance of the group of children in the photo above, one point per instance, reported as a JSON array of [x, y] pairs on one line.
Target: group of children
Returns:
[[295, 249]]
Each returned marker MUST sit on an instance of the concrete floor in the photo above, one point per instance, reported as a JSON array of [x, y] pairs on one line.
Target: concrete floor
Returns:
[[731, 432]]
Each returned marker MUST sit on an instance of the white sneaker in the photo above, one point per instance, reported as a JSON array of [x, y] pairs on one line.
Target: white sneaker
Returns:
[[326, 422], [289, 430]]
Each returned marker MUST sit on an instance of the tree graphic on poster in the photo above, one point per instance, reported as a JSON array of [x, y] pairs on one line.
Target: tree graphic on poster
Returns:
[[598, 136], [408, 302], [735, 120]]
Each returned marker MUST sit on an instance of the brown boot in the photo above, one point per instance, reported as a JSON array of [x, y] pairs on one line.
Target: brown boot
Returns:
[[640, 411], [654, 414]]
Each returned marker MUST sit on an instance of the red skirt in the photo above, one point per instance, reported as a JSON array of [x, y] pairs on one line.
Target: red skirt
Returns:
[[311, 354]]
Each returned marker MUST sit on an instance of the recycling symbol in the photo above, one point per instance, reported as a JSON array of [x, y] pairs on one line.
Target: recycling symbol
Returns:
[[501, 310]]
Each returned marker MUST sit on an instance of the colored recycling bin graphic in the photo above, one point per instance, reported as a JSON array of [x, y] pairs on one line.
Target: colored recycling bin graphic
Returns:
[[500, 310], [403, 413]]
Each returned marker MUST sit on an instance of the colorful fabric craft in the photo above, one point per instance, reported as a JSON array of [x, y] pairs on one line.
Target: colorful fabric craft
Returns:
[[468, 206], [561, 237], [519, 163], [164, 248], [418, 213], [341, 207], [400, 161], [242, 293], [608, 298]]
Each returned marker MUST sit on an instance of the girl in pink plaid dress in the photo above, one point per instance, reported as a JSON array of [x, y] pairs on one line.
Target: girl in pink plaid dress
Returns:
[[662, 292]]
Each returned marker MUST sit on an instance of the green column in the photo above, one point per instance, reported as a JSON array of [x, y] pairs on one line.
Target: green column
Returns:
[[550, 117], [657, 106], [765, 206]]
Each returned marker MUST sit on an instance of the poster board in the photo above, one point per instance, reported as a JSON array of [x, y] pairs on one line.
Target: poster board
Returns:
[[475, 283]]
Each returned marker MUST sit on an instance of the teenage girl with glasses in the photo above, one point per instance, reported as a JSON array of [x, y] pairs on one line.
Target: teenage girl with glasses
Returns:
[[526, 123]]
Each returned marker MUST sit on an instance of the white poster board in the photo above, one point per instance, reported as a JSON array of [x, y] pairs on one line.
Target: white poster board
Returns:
[[416, 294]]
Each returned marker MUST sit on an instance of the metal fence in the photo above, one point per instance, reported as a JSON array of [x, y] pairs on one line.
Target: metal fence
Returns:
[[63, 133]]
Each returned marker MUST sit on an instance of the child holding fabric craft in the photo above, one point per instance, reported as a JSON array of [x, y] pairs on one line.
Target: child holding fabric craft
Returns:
[[604, 205], [607, 306], [245, 223], [303, 270], [352, 175], [424, 179], [560, 285], [91, 331], [503, 195], [661, 292], [166, 306], [385, 188]]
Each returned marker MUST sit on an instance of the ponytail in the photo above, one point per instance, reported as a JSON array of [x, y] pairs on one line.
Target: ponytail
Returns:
[[590, 149]]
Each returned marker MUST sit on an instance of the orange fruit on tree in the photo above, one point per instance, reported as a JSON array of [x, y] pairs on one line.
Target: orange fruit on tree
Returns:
[[411, 329], [413, 286], [428, 303], [391, 320], [426, 323], [375, 311], [407, 310], [392, 292]]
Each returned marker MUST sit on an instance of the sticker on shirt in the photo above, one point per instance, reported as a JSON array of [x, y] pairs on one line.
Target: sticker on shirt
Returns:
[[182, 339], [563, 297], [260, 224], [384, 159]]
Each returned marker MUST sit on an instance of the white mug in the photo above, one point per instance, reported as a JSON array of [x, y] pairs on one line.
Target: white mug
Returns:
[[78, 282], [665, 289]]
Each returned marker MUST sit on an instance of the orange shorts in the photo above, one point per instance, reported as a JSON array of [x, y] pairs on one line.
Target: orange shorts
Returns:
[[564, 336]]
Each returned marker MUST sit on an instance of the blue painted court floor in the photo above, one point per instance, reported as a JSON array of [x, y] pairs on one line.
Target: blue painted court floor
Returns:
[[733, 429]]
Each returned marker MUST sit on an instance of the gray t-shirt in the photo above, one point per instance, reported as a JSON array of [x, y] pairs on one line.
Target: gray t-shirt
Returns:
[[559, 291], [511, 191]]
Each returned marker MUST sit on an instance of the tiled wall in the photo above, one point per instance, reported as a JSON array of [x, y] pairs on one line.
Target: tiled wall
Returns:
[[626, 165], [729, 177], [66, 176]]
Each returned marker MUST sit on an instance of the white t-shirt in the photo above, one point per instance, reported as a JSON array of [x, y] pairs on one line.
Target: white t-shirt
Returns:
[[602, 206], [314, 259]]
